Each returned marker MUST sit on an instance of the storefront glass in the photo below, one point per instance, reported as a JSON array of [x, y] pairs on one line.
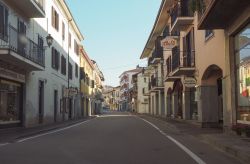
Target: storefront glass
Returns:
[[242, 50], [10, 108]]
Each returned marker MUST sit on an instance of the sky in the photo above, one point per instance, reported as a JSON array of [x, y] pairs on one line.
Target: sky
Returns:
[[115, 32]]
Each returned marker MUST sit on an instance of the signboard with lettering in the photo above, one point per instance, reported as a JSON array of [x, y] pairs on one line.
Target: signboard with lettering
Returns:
[[169, 42], [189, 82], [8, 74]]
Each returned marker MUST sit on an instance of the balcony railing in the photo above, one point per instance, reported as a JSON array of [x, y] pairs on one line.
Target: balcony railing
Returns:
[[157, 82], [181, 9], [29, 50], [183, 59], [40, 4]]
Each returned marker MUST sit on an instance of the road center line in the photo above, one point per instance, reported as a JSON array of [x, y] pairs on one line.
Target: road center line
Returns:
[[3, 144], [184, 148], [51, 132]]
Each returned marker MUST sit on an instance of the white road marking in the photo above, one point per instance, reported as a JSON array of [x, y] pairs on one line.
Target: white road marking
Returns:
[[3, 144], [113, 115], [184, 148], [51, 132]]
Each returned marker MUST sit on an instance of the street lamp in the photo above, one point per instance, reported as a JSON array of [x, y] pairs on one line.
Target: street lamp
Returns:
[[49, 40]]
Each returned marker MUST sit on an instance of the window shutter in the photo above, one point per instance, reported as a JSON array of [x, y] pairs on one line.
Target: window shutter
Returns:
[[52, 57], [63, 31], [53, 17], [1, 20]]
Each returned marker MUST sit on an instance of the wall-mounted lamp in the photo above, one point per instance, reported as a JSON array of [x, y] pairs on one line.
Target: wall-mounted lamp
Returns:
[[49, 40]]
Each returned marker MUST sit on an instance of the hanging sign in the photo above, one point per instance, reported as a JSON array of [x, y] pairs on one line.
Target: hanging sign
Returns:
[[189, 82], [169, 42]]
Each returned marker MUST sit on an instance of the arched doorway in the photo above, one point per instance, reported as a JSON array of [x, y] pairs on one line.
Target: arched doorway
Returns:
[[177, 93], [212, 81]]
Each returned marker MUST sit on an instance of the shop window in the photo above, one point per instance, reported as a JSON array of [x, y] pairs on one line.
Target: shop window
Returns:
[[242, 56], [10, 102]]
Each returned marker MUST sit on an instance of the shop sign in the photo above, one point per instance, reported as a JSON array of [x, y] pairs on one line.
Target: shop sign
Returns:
[[169, 42], [69, 92], [189, 82], [5, 73]]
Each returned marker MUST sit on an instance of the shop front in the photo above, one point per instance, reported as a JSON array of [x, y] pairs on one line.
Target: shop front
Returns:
[[242, 65], [11, 98]]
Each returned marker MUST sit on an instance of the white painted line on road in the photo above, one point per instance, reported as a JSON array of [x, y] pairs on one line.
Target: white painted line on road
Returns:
[[184, 148], [113, 115], [51, 132], [4, 144]]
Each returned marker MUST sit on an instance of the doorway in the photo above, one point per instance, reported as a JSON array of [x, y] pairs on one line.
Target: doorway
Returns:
[[41, 102], [55, 104]]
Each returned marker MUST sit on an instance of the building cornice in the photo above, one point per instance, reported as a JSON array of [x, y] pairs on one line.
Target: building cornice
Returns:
[[160, 23]]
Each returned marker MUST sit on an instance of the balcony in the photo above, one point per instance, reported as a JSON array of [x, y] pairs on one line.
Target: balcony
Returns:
[[181, 16], [157, 83], [28, 56], [183, 63], [157, 56], [30, 8]]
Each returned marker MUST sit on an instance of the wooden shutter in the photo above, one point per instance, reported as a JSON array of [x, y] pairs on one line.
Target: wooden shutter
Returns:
[[53, 57], [1, 21], [63, 31], [53, 17], [192, 42]]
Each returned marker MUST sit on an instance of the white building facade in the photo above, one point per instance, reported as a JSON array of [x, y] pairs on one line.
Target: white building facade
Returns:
[[36, 76]]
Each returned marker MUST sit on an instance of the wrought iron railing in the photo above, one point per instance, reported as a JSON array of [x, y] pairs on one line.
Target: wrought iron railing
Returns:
[[182, 59], [28, 49], [157, 82], [181, 9]]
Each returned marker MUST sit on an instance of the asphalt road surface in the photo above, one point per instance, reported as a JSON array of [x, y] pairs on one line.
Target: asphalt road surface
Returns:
[[111, 139]]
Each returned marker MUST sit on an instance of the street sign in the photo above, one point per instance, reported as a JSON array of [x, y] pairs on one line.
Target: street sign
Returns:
[[169, 42], [189, 82]]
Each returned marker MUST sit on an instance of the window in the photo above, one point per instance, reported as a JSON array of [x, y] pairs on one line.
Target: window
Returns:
[[70, 71], [82, 73], [4, 14], [40, 50], [63, 65], [55, 19], [145, 79], [63, 31], [76, 70], [242, 55], [208, 34], [55, 59], [76, 47], [93, 84], [69, 39]]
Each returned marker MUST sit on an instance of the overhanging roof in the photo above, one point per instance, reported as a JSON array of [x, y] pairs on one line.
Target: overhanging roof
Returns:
[[221, 13], [159, 25]]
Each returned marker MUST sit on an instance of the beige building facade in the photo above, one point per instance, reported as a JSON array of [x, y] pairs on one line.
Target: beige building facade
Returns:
[[193, 74], [236, 107]]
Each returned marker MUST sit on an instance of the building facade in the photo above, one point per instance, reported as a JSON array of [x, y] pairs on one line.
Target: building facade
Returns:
[[126, 85], [186, 78], [40, 63], [236, 27]]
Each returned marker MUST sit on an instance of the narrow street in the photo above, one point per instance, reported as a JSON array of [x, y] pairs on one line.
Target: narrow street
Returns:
[[111, 138]]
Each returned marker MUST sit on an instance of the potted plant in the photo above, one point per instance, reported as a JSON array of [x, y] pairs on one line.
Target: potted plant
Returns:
[[197, 5]]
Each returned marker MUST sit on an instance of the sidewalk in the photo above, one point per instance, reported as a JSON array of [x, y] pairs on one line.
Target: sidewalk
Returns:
[[236, 146], [12, 134]]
